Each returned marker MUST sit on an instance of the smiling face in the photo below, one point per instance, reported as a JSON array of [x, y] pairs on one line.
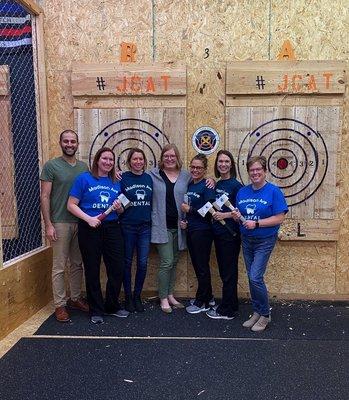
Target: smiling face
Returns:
[[169, 159], [224, 165], [257, 174], [105, 163], [197, 170], [137, 163], [69, 143]]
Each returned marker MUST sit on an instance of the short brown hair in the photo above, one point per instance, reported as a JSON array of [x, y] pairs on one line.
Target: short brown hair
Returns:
[[232, 168], [94, 169], [167, 147], [260, 159], [131, 153]]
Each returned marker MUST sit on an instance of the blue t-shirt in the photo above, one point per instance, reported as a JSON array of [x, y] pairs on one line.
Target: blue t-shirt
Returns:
[[95, 195], [229, 187], [259, 204], [198, 195], [139, 190]]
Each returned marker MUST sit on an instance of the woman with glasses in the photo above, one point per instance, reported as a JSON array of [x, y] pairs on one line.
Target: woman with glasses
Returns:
[[263, 207], [170, 183], [199, 233], [226, 238]]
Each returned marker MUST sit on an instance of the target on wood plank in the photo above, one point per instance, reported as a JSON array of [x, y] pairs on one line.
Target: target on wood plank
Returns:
[[124, 134], [297, 157]]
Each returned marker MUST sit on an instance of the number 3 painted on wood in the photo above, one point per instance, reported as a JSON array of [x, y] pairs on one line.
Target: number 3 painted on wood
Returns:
[[207, 52]]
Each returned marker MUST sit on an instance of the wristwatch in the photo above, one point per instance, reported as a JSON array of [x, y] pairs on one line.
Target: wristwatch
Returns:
[[257, 225]]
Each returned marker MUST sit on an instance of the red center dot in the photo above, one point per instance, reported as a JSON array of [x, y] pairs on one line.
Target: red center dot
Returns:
[[282, 163]]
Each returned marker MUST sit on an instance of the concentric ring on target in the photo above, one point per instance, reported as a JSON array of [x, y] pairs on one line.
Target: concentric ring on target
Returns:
[[296, 154], [120, 135]]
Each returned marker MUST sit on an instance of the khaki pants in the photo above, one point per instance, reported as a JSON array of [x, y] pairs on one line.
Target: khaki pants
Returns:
[[66, 247]]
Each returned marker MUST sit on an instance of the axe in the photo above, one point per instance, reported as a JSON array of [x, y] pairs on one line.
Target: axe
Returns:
[[123, 200], [208, 207], [224, 201], [186, 200]]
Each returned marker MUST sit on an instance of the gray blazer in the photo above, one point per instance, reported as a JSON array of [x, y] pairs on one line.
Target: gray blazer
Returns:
[[158, 214]]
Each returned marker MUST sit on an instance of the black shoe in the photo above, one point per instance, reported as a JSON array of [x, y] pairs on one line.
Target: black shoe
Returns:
[[138, 303], [129, 306]]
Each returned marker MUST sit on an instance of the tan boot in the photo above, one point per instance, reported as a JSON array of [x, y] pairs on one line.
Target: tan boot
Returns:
[[250, 322], [261, 324]]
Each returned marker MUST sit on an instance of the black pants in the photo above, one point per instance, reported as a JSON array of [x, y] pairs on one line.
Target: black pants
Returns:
[[94, 243], [199, 246], [227, 253]]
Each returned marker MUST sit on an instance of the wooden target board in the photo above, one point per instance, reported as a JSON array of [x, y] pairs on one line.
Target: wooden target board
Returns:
[[123, 107], [291, 113]]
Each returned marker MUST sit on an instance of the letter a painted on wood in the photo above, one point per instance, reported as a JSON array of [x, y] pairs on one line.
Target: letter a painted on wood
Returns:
[[287, 51]]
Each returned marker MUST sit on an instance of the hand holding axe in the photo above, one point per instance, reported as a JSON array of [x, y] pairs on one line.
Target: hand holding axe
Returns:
[[224, 201], [208, 207], [123, 200]]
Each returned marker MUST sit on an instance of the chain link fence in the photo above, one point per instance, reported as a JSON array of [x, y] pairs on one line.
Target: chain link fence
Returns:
[[19, 165]]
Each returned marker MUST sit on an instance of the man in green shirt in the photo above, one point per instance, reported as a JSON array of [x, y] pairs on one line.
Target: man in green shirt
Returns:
[[56, 178]]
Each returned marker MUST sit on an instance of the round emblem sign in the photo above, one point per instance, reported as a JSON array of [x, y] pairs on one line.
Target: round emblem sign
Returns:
[[205, 140]]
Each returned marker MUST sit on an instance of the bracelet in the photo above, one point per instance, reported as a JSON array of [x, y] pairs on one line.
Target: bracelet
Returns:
[[257, 225]]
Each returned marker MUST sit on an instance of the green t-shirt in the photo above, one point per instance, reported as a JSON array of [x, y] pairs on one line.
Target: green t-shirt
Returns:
[[62, 175]]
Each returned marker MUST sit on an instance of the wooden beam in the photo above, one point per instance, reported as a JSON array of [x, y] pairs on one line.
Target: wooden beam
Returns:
[[4, 80], [310, 230], [286, 77], [32, 7], [130, 80]]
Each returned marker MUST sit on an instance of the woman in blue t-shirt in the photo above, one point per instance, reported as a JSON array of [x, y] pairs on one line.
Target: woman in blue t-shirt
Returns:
[[263, 207], [199, 232], [93, 193], [226, 237], [137, 186]]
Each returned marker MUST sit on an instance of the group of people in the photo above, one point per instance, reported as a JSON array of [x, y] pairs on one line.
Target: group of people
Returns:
[[85, 213]]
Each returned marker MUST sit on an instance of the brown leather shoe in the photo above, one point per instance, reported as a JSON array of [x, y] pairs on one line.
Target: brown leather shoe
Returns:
[[79, 304], [61, 314]]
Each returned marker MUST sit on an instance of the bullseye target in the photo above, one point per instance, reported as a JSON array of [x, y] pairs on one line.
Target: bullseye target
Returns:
[[297, 157], [127, 133]]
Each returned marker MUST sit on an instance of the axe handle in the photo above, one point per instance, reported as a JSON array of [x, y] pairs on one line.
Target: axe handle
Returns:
[[102, 216], [212, 211]]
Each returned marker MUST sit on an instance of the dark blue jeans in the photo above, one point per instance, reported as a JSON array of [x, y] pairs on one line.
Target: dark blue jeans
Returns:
[[136, 237], [256, 251]]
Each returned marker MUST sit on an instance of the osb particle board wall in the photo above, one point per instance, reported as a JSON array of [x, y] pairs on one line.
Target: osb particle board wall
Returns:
[[91, 31]]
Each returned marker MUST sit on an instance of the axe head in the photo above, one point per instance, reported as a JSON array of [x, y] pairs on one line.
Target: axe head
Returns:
[[124, 200], [221, 201], [205, 209]]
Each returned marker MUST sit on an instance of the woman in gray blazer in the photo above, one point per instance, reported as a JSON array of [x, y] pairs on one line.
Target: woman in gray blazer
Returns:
[[169, 186]]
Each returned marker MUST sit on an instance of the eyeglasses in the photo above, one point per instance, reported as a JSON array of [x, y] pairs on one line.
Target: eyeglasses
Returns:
[[169, 157], [256, 169], [193, 167]]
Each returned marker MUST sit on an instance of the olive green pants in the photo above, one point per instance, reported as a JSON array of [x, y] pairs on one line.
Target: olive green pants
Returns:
[[169, 254]]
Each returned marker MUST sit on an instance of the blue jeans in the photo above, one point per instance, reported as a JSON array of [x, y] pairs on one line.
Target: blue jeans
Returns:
[[136, 236], [256, 251]]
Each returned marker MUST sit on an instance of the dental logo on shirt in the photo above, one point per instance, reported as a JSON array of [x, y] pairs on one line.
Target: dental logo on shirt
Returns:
[[140, 193], [250, 209], [104, 196]]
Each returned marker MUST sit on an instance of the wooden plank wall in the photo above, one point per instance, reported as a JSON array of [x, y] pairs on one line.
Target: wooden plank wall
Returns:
[[25, 287], [205, 36], [8, 202]]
